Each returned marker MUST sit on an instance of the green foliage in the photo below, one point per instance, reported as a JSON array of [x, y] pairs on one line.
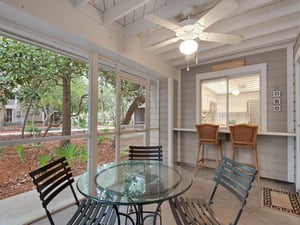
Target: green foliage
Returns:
[[36, 76], [1, 151], [38, 144], [104, 137], [82, 123], [105, 130], [44, 159], [100, 139], [20, 150], [72, 153], [33, 130], [124, 153]]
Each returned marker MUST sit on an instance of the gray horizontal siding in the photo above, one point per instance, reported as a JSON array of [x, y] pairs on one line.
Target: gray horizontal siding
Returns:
[[272, 150]]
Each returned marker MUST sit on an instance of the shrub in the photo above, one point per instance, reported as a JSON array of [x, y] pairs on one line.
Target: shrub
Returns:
[[32, 130], [72, 153], [20, 150], [100, 139], [44, 159]]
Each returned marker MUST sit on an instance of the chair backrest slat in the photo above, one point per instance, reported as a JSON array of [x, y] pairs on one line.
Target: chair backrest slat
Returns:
[[235, 177], [145, 153], [52, 179]]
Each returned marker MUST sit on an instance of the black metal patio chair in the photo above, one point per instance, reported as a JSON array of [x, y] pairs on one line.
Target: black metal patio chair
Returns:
[[234, 177], [145, 153], [139, 152], [54, 178]]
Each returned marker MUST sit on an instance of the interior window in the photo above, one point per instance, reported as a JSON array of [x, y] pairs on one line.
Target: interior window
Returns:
[[231, 100]]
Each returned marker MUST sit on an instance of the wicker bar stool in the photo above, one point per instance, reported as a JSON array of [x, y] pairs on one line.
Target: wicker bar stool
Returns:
[[207, 135], [243, 136]]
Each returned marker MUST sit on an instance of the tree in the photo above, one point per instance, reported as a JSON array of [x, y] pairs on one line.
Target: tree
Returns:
[[30, 72], [133, 95], [21, 73], [106, 95], [37, 75]]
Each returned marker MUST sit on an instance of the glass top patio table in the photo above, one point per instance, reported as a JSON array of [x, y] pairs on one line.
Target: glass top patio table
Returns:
[[136, 182]]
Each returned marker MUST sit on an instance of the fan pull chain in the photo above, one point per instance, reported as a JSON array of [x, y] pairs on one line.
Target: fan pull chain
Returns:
[[188, 63]]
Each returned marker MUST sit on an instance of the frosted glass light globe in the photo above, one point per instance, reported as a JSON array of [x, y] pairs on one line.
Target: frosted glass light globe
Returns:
[[188, 46]]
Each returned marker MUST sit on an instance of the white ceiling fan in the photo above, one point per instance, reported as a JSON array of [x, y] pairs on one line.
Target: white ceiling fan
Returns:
[[191, 29]]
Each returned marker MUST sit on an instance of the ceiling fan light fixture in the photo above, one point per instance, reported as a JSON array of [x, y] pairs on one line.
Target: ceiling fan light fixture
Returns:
[[188, 47], [235, 92]]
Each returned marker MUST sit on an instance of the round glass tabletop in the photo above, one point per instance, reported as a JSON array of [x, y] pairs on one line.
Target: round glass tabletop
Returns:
[[136, 182]]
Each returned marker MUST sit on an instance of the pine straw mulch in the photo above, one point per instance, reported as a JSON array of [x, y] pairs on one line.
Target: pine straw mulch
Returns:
[[14, 178]]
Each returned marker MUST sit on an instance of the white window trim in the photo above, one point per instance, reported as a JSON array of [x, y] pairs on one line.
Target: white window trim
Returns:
[[257, 68]]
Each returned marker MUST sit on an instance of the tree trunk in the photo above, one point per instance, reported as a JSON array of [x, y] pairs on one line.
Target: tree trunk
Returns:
[[66, 108], [134, 105], [25, 118], [2, 116]]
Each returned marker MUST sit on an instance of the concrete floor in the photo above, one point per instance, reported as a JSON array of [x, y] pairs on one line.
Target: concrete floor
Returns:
[[224, 206]]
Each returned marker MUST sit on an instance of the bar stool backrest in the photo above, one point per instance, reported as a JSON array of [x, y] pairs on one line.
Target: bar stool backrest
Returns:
[[243, 135], [207, 133]]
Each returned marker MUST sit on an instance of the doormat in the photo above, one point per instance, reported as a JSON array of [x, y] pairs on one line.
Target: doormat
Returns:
[[281, 201]]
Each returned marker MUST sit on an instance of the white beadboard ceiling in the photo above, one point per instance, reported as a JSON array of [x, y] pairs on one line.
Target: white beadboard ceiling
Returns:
[[261, 23]]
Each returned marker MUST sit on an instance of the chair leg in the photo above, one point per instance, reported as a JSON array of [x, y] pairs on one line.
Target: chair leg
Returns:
[[221, 152], [221, 149], [202, 153], [217, 156], [233, 153], [197, 160], [256, 166]]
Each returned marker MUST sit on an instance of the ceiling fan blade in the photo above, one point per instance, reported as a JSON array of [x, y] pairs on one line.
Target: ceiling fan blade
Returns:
[[162, 44], [162, 22], [221, 38], [218, 12]]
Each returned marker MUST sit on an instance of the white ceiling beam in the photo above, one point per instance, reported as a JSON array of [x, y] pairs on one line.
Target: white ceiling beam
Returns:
[[172, 9], [121, 9], [171, 52], [278, 17], [256, 43], [163, 34], [278, 9], [78, 3], [266, 40], [156, 37], [175, 7]]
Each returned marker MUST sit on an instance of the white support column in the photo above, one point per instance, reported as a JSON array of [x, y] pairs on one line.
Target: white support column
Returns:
[[118, 116], [147, 112], [178, 156], [93, 118], [170, 121], [290, 114], [297, 84], [158, 109]]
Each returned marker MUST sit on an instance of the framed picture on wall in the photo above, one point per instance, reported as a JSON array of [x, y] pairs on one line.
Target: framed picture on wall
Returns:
[[276, 93], [276, 101], [276, 108]]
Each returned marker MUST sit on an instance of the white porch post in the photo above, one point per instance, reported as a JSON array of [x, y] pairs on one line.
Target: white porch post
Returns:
[[118, 116], [93, 121], [170, 121], [297, 107]]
